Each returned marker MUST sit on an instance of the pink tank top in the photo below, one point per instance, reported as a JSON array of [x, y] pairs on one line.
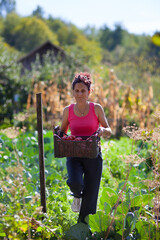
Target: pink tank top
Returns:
[[83, 126]]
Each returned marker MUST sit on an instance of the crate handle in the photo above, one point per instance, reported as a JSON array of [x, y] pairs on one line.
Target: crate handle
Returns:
[[56, 129], [95, 133]]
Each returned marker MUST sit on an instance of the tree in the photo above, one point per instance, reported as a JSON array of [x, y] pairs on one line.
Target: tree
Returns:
[[105, 37], [38, 12], [10, 23], [9, 80], [29, 33], [7, 6], [1, 25], [66, 33], [91, 32], [109, 39], [73, 34], [117, 35], [75, 42], [90, 51], [55, 24]]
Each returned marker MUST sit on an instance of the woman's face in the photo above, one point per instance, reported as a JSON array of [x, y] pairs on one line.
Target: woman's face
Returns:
[[81, 92]]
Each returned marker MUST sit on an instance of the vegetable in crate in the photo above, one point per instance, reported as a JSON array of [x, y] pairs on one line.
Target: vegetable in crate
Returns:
[[84, 118], [72, 137]]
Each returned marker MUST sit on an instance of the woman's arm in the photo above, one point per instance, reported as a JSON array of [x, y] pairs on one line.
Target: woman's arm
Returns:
[[65, 123], [105, 130]]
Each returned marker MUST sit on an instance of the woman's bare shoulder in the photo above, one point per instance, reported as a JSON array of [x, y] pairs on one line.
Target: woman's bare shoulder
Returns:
[[98, 109], [66, 110], [97, 106]]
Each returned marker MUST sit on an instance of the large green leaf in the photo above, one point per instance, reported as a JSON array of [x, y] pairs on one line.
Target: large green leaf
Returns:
[[141, 200], [99, 222], [79, 231], [147, 230], [129, 223], [123, 208], [109, 196]]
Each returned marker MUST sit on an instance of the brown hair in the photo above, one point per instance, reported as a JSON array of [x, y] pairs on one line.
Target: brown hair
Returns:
[[82, 77]]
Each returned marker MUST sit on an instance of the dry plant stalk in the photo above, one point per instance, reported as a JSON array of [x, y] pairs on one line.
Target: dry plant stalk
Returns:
[[121, 100]]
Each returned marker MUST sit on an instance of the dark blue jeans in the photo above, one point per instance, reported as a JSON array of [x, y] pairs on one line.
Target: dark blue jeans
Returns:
[[84, 176]]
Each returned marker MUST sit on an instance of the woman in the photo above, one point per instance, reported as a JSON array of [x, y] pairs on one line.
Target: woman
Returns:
[[84, 118]]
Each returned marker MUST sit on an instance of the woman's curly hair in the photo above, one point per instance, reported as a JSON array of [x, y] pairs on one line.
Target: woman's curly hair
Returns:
[[83, 77]]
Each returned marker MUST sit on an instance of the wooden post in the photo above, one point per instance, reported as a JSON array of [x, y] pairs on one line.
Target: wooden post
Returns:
[[41, 151]]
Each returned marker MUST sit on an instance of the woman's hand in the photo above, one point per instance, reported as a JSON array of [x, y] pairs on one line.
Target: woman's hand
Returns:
[[104, 132], [59, 133]]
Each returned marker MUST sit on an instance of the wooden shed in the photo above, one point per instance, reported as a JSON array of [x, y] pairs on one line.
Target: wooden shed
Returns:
[[40, 51]]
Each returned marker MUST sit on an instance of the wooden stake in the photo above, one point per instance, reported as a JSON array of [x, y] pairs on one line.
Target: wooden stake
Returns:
[[41, 151]]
